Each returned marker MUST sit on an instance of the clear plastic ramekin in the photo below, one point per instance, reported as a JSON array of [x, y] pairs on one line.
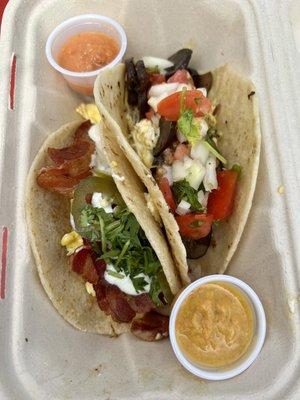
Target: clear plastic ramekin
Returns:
[[83, 82], [255, 347]]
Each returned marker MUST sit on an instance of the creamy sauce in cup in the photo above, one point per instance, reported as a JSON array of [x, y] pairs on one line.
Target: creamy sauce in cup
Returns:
[[214, 325], [88, 51]]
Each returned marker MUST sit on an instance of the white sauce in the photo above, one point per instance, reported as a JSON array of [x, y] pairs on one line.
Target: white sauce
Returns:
[[125, 284], [99, 201], [98, 159]]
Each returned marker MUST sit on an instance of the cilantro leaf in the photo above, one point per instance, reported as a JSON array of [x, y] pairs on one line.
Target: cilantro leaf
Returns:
[[183, 191], [211, 145], [118, 239], [188, 127], [139, 283]]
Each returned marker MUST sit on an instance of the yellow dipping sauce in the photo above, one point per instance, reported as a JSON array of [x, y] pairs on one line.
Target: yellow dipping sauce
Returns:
[[214, 325]]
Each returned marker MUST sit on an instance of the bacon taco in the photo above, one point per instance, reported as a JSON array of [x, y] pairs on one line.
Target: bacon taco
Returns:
[[194, 140], [100, 254]]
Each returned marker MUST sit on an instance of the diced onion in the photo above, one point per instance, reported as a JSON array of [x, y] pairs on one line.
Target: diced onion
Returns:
[[168, 174], [179, 172], [183, 207], [203, 90], [187, 161], [162, 88], [200, 152], [202, 198], [196, 174], [160, 63], [210, 179], [153, 101]]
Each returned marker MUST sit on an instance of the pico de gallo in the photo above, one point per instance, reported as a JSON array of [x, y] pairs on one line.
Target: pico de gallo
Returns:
[[172, 125]]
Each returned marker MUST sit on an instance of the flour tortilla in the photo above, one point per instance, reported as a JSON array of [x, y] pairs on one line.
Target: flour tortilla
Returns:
[[48, 220], [238, 121]]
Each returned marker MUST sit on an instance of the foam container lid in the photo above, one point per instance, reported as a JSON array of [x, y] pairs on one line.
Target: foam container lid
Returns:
[[42, 357]]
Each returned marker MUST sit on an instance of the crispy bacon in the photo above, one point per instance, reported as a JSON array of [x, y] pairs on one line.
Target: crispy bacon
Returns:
[[152, 326], [72, 152], [113, 302], [82, 263], [100, 265], [141, 303], [81, 134], [57, 180], [72, 164]]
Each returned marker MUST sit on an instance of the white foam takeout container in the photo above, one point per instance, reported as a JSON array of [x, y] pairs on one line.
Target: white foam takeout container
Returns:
[[42, 357]]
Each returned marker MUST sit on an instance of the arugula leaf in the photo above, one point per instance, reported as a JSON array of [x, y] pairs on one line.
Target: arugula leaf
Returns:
[[183, 191], [188, 127]]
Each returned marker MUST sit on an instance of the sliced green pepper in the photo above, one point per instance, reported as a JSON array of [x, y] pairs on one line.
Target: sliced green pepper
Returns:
[[101, 184]]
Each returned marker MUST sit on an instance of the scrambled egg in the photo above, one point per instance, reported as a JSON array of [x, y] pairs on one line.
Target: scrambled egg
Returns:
[[145, 137], [89, 111], [71, 241], [90, 289]]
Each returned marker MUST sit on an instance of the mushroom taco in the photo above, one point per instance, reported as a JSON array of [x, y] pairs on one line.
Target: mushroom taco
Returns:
[[100, 255], [194, 140]]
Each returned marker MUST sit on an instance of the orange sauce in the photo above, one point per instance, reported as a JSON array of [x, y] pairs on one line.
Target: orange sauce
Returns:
[[88, 51], [214, 325]]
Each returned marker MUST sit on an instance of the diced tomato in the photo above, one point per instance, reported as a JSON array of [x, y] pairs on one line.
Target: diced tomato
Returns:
[[180, 76], [150, 114], [194, 226], [169, 107], [220, 201], [167, 192], [157, 78], [181, 151]]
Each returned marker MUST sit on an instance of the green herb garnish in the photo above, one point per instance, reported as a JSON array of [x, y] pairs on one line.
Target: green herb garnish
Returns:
[[118, 239], [196, 224], [116, 274], [139, 283], [183, 191], [188, 127], [210, 144]]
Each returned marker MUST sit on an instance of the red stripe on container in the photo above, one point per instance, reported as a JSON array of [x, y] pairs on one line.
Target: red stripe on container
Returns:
[[13, 67], [3, 262], [3, 4]]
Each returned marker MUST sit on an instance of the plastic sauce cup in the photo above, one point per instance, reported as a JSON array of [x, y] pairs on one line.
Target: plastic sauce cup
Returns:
[[255, 347], [83, 82]]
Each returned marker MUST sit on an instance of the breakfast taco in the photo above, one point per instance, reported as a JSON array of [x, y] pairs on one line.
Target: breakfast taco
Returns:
[[194, 141], [100, 254]]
